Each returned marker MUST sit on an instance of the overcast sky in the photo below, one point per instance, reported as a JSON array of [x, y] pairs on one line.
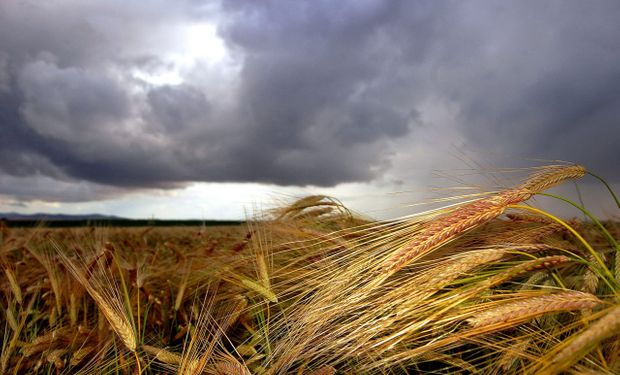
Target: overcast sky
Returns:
[[206, 109]]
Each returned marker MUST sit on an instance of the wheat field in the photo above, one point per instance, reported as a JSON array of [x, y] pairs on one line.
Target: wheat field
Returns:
[[491, 285]]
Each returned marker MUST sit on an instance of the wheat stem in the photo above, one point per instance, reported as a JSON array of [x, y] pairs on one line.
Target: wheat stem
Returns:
[[577, 235], [611, 191]]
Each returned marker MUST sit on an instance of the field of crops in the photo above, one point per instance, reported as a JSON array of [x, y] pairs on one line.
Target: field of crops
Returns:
[[491, 285]]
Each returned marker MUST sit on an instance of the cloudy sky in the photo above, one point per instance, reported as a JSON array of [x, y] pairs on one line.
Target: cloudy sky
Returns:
[[208, 109]]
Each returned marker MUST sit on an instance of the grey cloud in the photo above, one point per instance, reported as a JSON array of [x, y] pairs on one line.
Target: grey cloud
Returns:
[[176, 108], [297, 119], [546, 83], [70, 104], [5, 79], [323, 89], [92, 33], [44, 188]]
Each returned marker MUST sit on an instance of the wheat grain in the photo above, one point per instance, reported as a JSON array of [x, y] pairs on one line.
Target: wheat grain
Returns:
[[590, 277], [246, 350], [180, 294], [240, 304], [118, 322], [513, 353]]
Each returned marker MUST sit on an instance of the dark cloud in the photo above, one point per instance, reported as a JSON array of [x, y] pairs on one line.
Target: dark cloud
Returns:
[[313, 92], [545, 84]]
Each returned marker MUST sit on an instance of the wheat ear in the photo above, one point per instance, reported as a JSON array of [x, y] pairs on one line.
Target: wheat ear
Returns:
[[104, 290], [231, 368], [17, 292], [552, 175], [446, 228], [474, 259], [532, 307], [162, 355]]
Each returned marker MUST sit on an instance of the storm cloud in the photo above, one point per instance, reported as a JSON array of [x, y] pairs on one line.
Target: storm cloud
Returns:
[[112, 97]]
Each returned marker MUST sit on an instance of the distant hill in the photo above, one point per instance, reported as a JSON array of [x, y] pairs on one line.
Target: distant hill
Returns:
[[13, 219], [13, 216]]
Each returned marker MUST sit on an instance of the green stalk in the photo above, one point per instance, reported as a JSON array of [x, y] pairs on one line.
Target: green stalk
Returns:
[[607, 186], [610, 238], [604, 230], [574, 233], [126, 296], [144, 321]]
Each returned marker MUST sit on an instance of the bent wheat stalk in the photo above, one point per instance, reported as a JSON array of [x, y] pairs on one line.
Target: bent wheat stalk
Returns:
[[446, 228]]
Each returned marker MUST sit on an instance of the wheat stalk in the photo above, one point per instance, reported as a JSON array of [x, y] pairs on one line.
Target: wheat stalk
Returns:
[[104, 290], [534, 306], [452, 359], [462, 219], [444, 229], [45, 258]]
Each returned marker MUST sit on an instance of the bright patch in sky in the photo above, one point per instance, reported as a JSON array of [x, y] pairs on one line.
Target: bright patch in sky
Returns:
[[198, 43], [203, 43]]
